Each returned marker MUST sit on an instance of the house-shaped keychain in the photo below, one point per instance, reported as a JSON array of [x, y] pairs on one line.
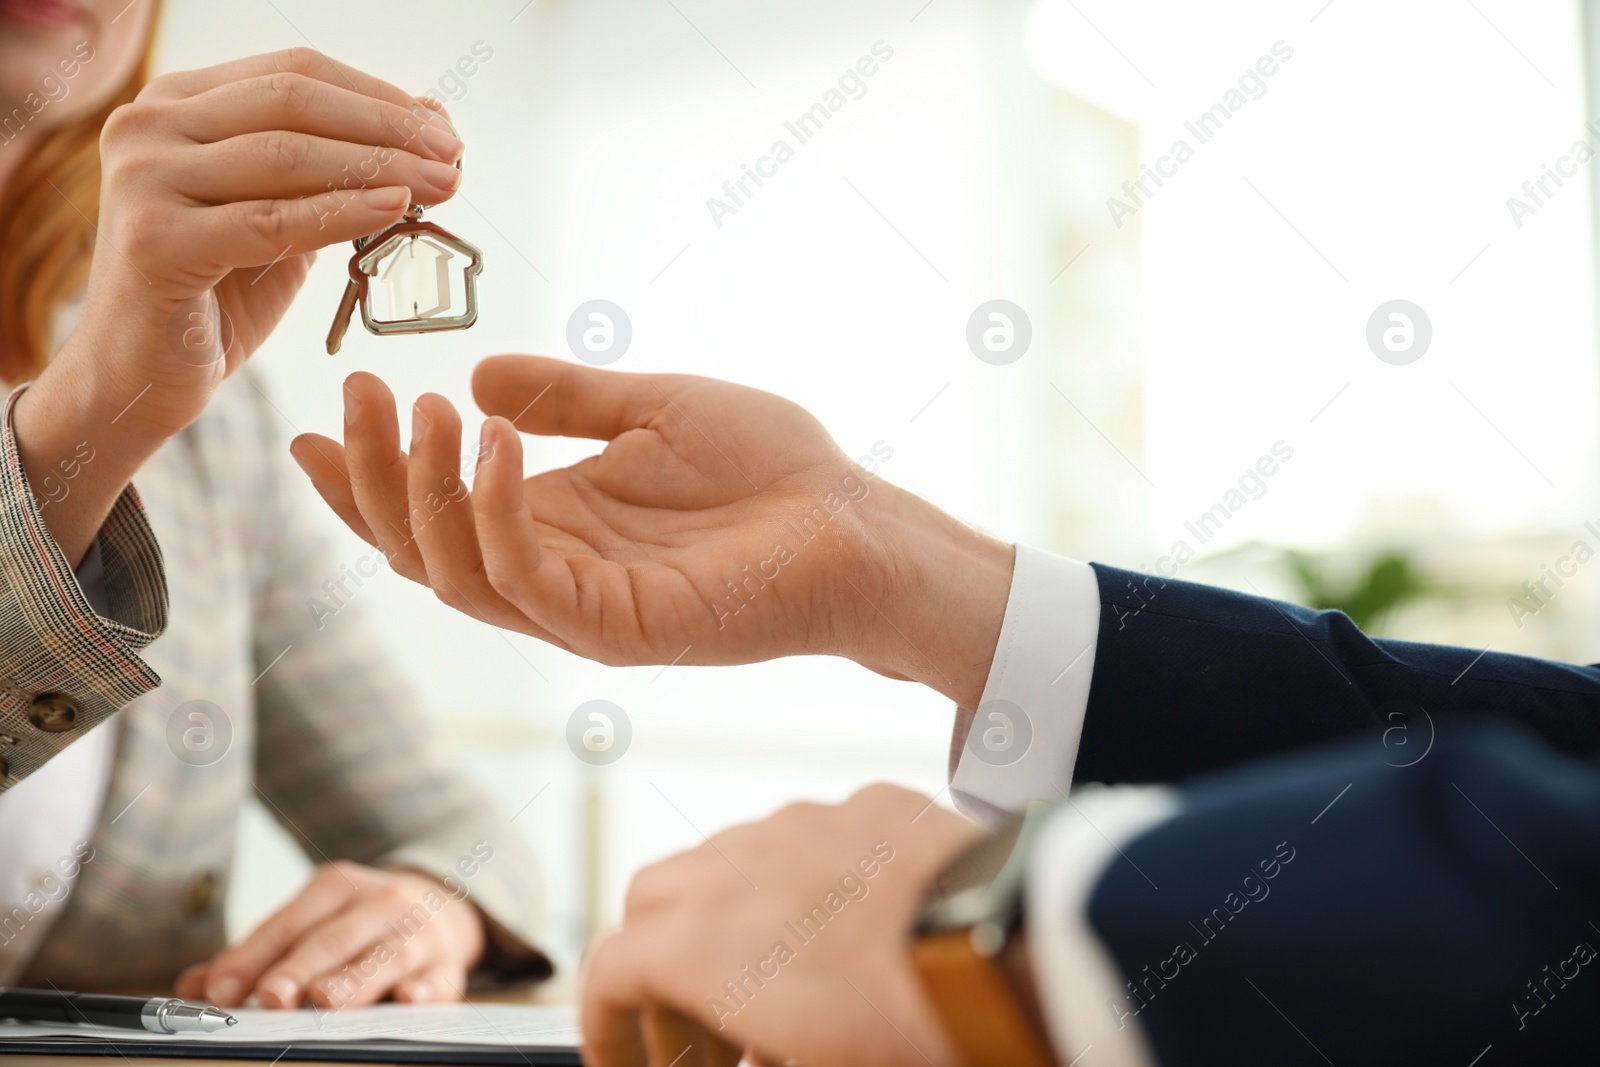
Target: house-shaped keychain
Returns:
[[415, 277]]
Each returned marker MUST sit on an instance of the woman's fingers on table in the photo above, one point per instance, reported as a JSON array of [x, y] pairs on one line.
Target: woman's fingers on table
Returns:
[[344, 943], [438, 982], [335, 945], [235, 972], [349, 960], [191, 982]]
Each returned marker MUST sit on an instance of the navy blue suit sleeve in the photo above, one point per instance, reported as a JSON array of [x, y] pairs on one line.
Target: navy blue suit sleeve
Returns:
[[1330, 907], [1190, 678]]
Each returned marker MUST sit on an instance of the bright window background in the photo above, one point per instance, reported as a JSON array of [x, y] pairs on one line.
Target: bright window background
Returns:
[[1376, 165], [1167, 355], [1390, 142]]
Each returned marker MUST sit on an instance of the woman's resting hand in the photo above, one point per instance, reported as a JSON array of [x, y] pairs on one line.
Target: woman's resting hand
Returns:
[[354, 935]]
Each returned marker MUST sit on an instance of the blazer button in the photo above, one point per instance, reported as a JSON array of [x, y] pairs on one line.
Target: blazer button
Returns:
[[202, 893], [53, 713]]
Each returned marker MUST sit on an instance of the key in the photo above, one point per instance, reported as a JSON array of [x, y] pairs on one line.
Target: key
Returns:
[[410, 273], [342, 317]]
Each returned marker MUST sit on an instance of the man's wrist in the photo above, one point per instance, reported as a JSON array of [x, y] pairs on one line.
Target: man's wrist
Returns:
[[945, 587]]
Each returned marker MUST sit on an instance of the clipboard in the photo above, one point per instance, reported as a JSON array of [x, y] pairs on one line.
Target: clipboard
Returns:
[[533, 1036]]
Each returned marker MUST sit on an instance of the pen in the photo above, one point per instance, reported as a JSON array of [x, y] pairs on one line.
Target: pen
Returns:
[[161, 1015]]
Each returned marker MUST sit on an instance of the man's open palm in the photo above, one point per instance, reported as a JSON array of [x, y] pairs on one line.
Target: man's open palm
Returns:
[[718, 518]]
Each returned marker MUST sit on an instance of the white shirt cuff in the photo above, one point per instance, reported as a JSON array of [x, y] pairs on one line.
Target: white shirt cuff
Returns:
[[1022, 741], [1080, 988]]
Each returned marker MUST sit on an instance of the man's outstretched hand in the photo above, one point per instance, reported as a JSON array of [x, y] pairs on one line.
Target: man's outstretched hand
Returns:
[[720, 524]]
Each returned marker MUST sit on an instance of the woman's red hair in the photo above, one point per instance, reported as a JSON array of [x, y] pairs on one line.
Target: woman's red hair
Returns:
[[48, 212]]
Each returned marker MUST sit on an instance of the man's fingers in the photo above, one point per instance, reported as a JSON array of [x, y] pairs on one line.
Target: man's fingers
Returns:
[[539, 583], [447, 542], [235, 971], [378, 471], [624, 1027], [614, 1039], [322, 458], [551, 397], [610, 1005], [671, 1037], [442, 519]]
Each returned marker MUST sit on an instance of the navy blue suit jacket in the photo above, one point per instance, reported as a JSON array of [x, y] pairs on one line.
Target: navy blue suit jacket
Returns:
[[1387, 853]]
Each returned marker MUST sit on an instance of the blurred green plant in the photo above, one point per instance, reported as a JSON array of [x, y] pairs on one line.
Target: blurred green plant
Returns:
[[1389, 581]]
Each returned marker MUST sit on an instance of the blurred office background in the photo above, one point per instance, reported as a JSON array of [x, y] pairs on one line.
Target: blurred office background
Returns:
[[1176, 338]]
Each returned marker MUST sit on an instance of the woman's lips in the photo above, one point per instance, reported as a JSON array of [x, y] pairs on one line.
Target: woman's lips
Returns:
[[46, 14]]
